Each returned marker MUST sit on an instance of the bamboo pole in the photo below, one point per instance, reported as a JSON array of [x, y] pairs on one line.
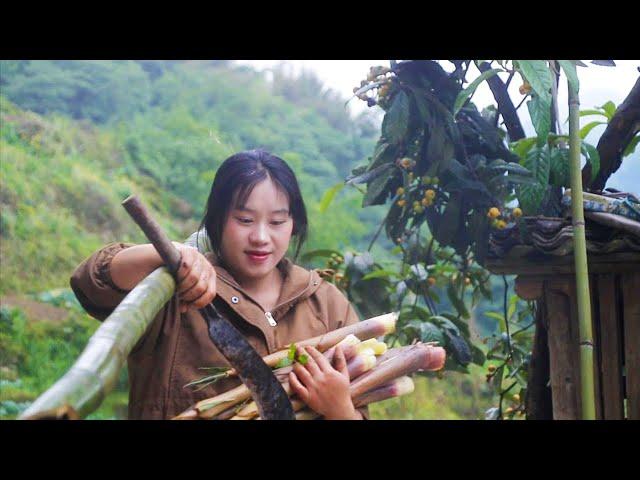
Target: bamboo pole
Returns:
[[580, 259], [95, 373]]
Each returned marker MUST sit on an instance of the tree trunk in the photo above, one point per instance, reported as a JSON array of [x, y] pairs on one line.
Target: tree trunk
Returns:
[[624, 125], [505, 105]]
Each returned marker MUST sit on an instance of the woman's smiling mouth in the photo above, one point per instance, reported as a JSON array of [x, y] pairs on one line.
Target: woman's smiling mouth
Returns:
[[257, 256]]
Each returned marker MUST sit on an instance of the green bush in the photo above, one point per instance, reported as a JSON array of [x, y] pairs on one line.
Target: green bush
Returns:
[[35, 354]]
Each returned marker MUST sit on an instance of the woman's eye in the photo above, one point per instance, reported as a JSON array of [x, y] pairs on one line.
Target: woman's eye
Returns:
[[244, 220], [278, 222]]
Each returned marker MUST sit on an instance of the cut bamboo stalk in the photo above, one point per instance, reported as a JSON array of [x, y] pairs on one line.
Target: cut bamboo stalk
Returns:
[[374, 327], [378, 347], [392, 352], [414, 358], [350, 338], [390, 366], [349, 347], [360, 364], [396, 388], [378, 326], [191, 414], [228, 414], [417, 357], [406, 360], [251, 410], [210, 407]]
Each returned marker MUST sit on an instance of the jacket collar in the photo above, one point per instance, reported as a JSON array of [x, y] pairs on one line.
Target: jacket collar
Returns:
[[299, 283]]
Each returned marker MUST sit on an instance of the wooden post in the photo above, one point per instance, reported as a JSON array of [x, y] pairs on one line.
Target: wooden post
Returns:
[[597, 360], [538, 400], [630, 293], [610, 349], [564, 374]]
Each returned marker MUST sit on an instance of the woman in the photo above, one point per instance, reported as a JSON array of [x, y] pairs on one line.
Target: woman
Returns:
[[254, 209]]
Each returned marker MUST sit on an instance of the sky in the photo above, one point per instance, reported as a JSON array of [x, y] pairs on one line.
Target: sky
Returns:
[[597, 86]]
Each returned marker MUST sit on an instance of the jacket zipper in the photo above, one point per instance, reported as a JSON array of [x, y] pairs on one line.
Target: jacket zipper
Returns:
[[269, 316], [270, 319]]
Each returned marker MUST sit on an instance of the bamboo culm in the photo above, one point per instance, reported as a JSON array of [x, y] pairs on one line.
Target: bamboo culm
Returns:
[[581, 263], [90, 379]]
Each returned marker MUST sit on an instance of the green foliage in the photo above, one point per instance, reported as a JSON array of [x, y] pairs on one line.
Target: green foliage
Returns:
[[537, 73], [539, 111], [292, 357], [606, 111], [61, 189], [327, 198], [35, 354], [530, 197], [468, 92], [511, 349], [448, 396], [421, 138], [95, 90], [569, 69]]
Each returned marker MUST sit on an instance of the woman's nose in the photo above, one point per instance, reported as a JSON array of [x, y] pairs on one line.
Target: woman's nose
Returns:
[[258, 234]]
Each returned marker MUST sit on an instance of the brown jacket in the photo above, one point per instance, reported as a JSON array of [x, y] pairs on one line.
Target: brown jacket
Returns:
[[175, 345]]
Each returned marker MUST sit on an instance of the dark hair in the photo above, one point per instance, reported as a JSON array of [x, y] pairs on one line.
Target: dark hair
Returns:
[[239, 174]]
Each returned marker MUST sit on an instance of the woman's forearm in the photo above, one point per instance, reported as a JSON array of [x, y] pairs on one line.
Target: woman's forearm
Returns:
[[132, 264]]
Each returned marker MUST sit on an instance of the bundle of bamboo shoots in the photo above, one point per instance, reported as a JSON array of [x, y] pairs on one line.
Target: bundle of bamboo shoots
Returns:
[[376, 373]]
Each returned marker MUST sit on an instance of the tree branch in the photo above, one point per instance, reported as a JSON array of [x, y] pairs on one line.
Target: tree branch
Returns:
[[505, 105], [619, 132]]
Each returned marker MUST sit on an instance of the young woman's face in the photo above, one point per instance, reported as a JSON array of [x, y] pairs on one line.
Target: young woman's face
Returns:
[[256, 236]]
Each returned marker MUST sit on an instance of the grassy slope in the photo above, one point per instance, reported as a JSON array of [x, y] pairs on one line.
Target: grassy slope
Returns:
[[61, 186], [60, 189]]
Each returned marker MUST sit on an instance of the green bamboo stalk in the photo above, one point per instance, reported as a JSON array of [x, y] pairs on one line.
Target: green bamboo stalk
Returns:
[[580, 259], [95, 373]]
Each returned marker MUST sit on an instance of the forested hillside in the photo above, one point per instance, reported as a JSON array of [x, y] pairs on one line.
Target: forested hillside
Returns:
[[78, 137]]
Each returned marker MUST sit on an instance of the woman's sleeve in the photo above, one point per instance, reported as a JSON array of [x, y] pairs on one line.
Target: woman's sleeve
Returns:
[[92, 284]]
